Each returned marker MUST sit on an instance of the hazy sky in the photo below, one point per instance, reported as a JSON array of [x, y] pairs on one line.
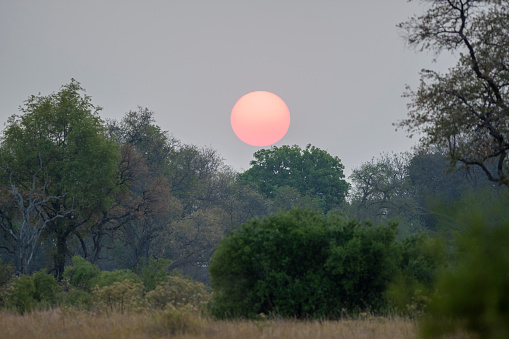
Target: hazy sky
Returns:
[[340, 66]]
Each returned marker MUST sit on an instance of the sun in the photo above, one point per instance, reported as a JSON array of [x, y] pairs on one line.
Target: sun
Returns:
[[260, 118]]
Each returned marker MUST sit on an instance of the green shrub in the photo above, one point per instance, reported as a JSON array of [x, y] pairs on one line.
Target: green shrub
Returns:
[[153, 272], [119, 296], [301, 264], [473, 296], [46, 288], [22, 295], [38, 291], [421, 258], [81, 273], [178, 292], [107, 278]]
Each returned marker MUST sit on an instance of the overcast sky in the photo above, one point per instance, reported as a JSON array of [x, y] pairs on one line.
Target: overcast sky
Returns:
[[340, 66]]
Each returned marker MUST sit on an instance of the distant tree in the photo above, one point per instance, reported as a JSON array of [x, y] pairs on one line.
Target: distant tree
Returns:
[[312, 171], [382, 190], [465, 110], [24, 222], [61, 141]]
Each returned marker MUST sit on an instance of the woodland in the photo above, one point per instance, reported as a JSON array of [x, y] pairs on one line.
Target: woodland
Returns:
[[120, 217]]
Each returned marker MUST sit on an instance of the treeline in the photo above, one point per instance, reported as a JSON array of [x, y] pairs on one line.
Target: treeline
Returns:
[[118, 192]]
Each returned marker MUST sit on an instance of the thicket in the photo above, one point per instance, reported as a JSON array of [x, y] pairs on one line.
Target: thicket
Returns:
[[85, 287], [301, 264]]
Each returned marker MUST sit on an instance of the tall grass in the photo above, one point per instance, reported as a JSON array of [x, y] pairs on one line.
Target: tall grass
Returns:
[[61, 323]]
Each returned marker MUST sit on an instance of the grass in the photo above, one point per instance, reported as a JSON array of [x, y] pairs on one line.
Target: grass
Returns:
[[59, 323]]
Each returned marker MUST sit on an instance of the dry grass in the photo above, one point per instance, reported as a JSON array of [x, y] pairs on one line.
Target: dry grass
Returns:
[[73, 324]]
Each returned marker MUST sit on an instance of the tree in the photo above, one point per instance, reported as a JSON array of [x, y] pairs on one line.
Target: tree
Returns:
[[61, 139], [312, 171], [382, 189], [465, 110], [30, 220]]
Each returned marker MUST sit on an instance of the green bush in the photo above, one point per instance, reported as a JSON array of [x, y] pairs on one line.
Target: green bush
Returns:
[[21, 297], [301, 264], [153, 272], [422, 256], [473, 296], [81, 273], [107, 278], [178, 292], [119, 296], [38, 291]]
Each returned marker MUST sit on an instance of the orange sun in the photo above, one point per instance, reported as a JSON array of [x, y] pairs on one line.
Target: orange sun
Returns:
[[260, 118]]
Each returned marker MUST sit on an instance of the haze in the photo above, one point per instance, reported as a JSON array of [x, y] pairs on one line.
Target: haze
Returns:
[[341, 66]]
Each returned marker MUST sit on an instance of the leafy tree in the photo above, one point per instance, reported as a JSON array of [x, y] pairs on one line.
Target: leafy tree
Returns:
[[312, 171], [465, 110], [382, 190], [60, 140], [301, 264], [24, 222]]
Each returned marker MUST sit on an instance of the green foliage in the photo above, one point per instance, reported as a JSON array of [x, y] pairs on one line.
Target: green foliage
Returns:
[[22, 295], [81, 273], [301, 264], [33, 292], [120, 296], [153, 271], [107, 278], [473, 296], [178, 292], [59, 144], [422, 257], [46, 287], [85, 275], [312, 171]]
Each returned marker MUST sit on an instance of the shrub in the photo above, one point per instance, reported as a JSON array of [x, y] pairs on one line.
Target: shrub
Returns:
[[107, 278], [81, 273], [178, 292], [30, 292], [153, 271], [421, 259], [301, 264], [474, 295], [22, 295], [119, 296]]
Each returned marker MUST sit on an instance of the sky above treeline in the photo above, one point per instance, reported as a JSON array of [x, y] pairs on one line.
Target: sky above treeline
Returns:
[[340, 66]]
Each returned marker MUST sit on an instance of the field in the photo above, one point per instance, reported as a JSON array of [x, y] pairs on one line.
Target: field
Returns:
[[60, 323]]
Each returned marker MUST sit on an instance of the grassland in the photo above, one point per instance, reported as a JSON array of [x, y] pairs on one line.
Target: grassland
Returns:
[[59, 323]]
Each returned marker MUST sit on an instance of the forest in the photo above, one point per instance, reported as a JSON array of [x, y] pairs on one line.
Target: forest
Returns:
[[119, 218]]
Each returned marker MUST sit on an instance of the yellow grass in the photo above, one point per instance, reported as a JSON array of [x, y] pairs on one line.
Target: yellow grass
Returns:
[[77, 324]]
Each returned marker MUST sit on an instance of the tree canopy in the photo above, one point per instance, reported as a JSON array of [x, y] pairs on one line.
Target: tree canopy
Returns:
[[59, 148], [466, 109], [312, 171]]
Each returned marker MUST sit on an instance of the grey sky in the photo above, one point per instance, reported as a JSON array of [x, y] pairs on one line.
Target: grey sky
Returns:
[[340, 66]]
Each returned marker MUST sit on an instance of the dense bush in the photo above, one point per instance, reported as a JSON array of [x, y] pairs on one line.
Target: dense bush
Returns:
[[422, 256], [178, 291], [30, 292], [473, 296], [153, 272], [85, 276], [301, 264]]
